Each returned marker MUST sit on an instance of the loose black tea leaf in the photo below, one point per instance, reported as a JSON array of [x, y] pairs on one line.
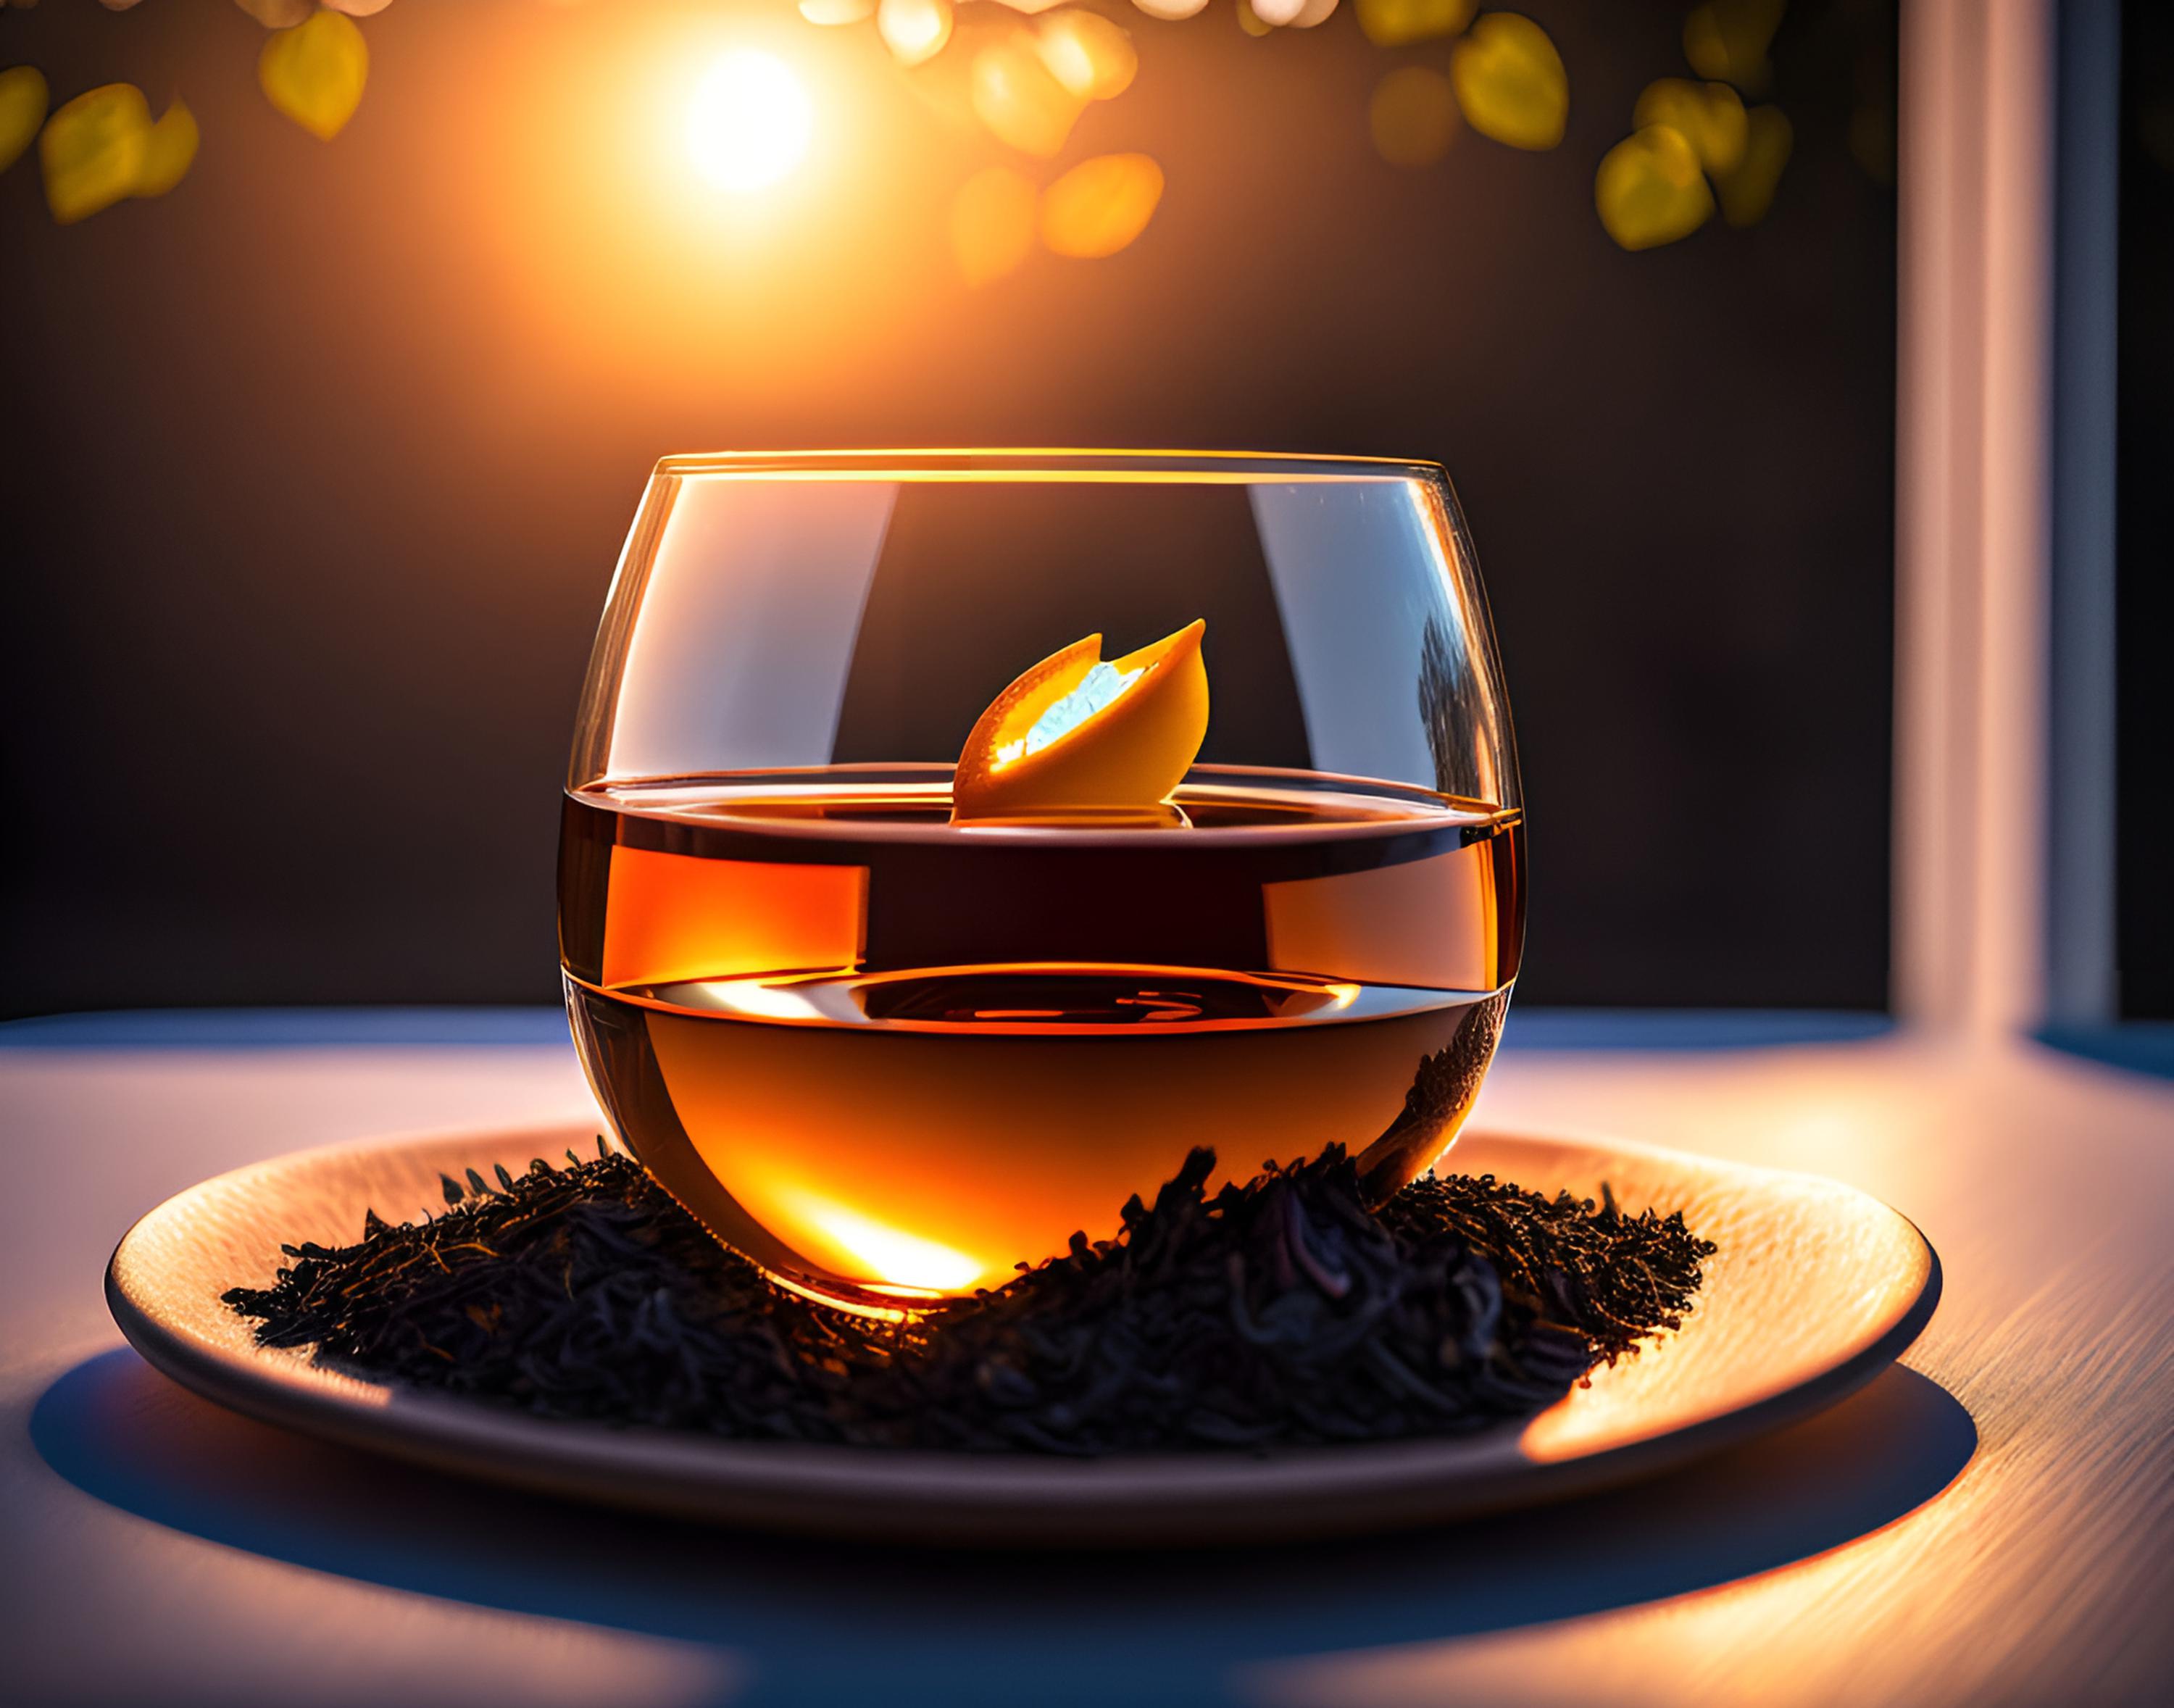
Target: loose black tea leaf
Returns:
[[1283, 1311]]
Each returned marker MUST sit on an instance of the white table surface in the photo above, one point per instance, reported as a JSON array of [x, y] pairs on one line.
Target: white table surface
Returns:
[[1994, 1523]]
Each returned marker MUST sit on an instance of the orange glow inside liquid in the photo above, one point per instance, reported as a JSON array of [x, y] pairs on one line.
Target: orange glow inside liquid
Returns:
[[890, 1059]]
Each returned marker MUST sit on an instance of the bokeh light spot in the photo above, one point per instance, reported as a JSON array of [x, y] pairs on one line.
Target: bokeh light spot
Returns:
[[23, 99], [92, 151], [315, 73], [1509, 81], [1727, 39], [1398, 23], [1649, 189], [168, 151], [1709, 116], [1087, 53], [1293, 14], [915, 30], [1101, 205], [1748, 192], [1018, 99]]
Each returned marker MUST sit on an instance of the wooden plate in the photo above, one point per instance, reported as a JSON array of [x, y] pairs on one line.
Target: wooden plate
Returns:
[[1815, 1289]]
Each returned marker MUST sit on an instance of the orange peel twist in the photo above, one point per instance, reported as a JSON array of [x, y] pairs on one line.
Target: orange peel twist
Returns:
[[1123, 754]]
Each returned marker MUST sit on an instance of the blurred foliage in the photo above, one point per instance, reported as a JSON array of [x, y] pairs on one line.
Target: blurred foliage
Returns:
[[1088, 54], [23, 100], [1399, 22], [168, 151], [1024, 71], [1694, 143], [1709, 116], [1019, 99], [314, 73], [93, 150], [1101, 205], [1293, 14], [103, 147], [1650, 190], [1747, 191], [1510, 81], [914, 30], [1727, 39]]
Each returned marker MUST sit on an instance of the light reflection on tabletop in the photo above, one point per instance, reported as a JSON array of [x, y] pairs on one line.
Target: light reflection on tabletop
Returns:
[[2040, 1574], [2046, 1185]]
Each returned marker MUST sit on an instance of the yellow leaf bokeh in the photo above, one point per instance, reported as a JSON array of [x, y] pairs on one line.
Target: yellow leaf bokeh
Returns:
[[1413, 116], [1091, 56], [92, 151], [1101, 205], [993, 223], [22, 98], [314, 73], [1709, 116], [1015, 96], [1251, 22], [915, 30], [1293, 14], [1398, 23], [1650, 191], [168, 151], [101, 148], [1748, 192], [1727, 39], [1509, 81]]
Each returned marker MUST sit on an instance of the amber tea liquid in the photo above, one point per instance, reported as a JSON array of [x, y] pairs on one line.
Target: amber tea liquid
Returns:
[[889, 1058]]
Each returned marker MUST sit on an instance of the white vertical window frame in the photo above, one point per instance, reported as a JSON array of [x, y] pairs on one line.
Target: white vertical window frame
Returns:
[[1973, 506]]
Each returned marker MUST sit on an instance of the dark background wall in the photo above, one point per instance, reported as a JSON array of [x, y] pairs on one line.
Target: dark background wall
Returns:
[[315, 470]]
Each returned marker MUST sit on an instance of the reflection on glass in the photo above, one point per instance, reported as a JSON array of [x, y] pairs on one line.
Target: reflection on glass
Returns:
[[890, 1052]]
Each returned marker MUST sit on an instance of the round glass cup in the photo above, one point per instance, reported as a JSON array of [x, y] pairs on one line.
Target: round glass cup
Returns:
[[891, 1056]]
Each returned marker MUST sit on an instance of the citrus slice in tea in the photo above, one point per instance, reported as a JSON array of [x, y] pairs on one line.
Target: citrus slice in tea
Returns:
[[1079, 734]]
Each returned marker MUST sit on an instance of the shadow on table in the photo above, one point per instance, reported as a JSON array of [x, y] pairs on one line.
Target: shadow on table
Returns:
[[811, 1619]]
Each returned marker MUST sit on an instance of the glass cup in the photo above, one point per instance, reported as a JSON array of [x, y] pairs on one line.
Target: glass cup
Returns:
[[954, 841]]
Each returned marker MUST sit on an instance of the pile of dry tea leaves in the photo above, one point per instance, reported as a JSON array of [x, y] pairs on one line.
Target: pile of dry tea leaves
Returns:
[[1281, 1311]]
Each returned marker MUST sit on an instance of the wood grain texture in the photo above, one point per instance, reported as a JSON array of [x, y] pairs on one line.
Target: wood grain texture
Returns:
[[1815, 1289]]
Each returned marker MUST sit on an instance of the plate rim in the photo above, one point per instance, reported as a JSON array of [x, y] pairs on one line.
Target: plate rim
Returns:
[[929, 1495]]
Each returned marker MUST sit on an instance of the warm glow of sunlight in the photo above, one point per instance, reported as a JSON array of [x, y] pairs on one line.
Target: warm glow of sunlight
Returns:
[[749, 123], [886, 1259]]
